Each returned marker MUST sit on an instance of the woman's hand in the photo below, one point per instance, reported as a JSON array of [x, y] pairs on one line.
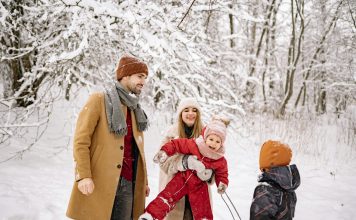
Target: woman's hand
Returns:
[[86, 186], [160, 157]]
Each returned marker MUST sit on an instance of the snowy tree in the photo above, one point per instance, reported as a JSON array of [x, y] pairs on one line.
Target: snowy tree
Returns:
[[237, 57]]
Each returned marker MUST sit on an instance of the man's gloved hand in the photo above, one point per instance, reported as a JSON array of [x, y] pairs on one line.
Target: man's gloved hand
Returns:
[[190, 162], [222, 188], [205, 175], [160, 157]]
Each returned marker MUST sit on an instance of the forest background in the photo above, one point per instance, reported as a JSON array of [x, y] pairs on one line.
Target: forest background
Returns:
[[279, 69]]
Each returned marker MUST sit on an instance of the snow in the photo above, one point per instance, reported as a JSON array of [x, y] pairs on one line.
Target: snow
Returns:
[[70, 55], [4, 14], [38, 186]]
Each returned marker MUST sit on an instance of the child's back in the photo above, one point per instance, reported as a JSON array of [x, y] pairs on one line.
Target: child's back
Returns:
[[275, 197]]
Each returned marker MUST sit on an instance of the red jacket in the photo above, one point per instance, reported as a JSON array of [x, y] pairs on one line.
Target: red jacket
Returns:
[[189, 146]]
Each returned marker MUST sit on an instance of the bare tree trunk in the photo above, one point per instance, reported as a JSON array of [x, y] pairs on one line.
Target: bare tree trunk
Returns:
[[269, 53], [321, 92], [351, 14], [293, 55], [250, 87], [231, 19], [158, 92], [19, 64], [265, 67], [252, 35], [265, 27], [318, 51]]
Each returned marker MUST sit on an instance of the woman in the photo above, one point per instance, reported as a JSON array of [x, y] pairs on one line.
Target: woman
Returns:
[[189, 125], [210, 150]]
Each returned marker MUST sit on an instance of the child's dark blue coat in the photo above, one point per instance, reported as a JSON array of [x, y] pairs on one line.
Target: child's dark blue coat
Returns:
[[274, 198]]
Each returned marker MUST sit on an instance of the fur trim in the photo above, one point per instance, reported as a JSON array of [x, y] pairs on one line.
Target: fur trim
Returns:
[[187, 102]]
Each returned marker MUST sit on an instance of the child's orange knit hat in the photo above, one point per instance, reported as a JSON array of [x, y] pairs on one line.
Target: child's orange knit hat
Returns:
[[274, 154]]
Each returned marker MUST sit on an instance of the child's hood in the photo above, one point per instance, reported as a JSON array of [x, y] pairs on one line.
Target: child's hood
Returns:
[[286, 177]]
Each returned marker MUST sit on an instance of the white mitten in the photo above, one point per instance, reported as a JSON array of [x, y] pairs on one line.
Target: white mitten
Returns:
[[192, 163], [205, 175], [145, 216], [222, 188], [160, 157]]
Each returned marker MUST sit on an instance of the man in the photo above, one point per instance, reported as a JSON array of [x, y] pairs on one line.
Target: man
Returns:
[[110, 167]]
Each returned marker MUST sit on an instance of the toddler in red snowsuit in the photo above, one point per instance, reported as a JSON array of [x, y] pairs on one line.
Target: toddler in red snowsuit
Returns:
[[209, 149]]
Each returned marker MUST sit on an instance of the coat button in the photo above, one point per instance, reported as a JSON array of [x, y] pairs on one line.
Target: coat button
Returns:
[[121, 147], [119, 166]]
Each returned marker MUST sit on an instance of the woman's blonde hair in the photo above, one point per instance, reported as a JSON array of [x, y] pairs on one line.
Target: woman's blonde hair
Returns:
[[197, 127]]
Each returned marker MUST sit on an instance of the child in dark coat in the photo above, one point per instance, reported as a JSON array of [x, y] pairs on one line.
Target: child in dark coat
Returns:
[[207, 148], [274, 198]]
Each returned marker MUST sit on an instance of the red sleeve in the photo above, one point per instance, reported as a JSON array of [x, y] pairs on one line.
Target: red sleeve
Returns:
[[180, 145], [221, 173]]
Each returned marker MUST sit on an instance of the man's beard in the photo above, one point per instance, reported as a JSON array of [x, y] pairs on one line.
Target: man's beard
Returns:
[[135, 90]]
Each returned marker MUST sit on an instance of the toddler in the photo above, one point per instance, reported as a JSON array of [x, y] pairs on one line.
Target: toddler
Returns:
[[274, 197]]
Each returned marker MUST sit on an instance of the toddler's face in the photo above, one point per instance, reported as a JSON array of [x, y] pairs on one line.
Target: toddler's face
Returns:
[[213, 141]]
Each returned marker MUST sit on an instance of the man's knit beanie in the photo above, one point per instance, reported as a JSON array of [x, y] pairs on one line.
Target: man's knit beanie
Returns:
[[129, 65]]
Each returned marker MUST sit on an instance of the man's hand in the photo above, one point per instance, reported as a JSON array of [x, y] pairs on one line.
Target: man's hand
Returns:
[[147, 190], [222, 188], [205, 175], [192, 163], [86, 186], [160, 157]]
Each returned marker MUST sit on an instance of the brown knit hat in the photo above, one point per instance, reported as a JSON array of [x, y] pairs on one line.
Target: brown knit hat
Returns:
[[130, 65], [273, 154]]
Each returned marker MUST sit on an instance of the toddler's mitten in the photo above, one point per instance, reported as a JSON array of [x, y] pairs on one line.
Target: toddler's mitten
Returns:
[[205, 175], [145, 216], [190, 162], [222, 188]]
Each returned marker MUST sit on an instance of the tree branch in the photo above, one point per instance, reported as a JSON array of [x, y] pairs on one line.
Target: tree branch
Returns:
[[352, 16], [318, 50], [185, 14]]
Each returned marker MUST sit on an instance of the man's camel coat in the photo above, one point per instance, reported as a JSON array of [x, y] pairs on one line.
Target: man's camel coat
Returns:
[[98, 154]]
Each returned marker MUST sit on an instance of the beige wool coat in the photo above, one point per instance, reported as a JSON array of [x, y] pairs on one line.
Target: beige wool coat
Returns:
[[98, 154], [167, 171]]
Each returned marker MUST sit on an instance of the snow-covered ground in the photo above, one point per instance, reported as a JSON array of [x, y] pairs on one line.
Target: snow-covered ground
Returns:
[[38, 186]]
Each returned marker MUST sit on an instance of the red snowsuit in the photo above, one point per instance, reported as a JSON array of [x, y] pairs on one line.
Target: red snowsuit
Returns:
[[187, 183]]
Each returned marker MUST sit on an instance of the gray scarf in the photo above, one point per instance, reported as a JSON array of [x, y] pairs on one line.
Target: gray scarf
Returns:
[[116, 118]]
